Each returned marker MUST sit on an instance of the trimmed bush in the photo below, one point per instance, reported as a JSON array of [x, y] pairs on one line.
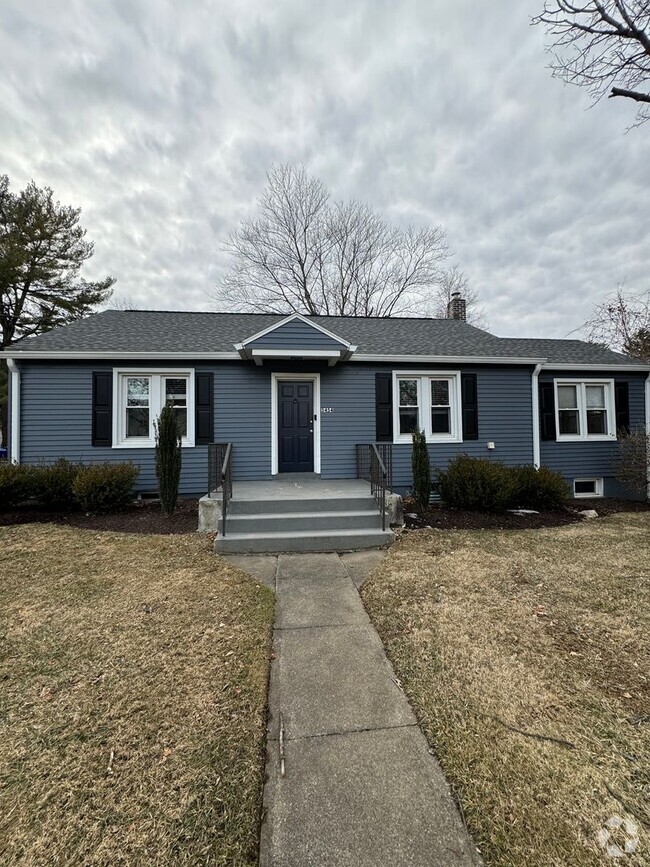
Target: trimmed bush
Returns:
[[105, 487], [168, 459], [476, 483], [16, 484], [52, 484], [421, 470], [540, 489]]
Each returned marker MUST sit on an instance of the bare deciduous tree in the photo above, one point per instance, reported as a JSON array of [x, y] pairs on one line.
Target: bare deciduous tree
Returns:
[[603, 45], [308, 254], [454, 280], [622, 322]]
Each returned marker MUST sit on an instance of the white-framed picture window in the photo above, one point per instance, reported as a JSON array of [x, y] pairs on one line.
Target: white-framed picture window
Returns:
[[138, 398], [584, 410], [429, 402]]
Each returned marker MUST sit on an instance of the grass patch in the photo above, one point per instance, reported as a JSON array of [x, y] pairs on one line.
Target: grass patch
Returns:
[[134, 673], [526, 656]]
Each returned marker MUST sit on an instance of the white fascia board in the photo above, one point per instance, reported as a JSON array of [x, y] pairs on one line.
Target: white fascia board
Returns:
[[117, 355], [610, 368], [295, 353], [447, 359], [291, 318]]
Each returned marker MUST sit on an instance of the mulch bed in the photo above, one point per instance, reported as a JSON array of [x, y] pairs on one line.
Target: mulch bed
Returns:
[[442, 518], [144, 517]]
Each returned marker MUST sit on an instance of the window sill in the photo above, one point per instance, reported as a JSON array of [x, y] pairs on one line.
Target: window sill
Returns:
[[403, 440], [147, 444], [594, 438]]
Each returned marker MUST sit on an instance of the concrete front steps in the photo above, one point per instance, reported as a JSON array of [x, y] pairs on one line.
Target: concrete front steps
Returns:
[[301, 524]]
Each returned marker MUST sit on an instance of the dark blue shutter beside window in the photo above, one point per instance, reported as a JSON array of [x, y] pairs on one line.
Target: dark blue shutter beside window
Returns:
[[469, 396], [102, 428], [547, 410], [204, 408], [384, 407], [622, 403]]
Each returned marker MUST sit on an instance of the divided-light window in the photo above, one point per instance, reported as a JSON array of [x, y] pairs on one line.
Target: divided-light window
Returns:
[[140, 397], [585, 410], [427, 402]]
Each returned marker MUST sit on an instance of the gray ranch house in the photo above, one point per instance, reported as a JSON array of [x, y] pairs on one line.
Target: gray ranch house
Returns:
[[332, 399]]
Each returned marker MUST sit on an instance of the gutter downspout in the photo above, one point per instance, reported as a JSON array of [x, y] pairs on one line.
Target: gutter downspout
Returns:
[[535, 394], [647, 430], [14, 418]]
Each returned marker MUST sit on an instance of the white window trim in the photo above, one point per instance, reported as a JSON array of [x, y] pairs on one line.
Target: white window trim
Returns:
[[582, 411], [598, 488], [156, 403], [424, 405], [276, 378]]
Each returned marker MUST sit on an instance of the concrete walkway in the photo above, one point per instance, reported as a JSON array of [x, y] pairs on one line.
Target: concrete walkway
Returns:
[[360, 786]]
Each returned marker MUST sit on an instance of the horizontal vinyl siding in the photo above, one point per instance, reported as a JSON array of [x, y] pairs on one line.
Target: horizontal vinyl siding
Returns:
[[56, 421], [295, 335], [504, 412], [575, 460]]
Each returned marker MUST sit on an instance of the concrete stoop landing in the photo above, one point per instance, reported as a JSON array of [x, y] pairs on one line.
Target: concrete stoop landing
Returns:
[[301, 514]]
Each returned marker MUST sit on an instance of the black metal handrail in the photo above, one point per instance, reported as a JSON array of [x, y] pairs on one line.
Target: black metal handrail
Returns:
[[375, 465], [220, 476]]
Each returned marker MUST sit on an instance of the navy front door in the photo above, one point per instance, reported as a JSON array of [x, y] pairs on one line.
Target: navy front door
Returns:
[[295, 427]]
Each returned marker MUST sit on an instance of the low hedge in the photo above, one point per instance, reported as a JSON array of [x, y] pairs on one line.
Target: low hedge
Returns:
[[52, 484], [16, 484], [483, 485], [105, 487]]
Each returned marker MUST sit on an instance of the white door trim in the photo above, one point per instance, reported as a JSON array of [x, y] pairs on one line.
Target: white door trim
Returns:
[[276, 378]]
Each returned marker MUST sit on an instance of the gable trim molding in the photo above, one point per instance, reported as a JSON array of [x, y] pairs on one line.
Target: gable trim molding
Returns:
[[291, 318]]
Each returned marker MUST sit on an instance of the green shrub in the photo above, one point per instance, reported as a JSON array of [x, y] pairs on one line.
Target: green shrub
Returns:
[[105, 487], [476, 483], [540, 489], [421, 470], [16, 484], [53, 483], [168, 458]]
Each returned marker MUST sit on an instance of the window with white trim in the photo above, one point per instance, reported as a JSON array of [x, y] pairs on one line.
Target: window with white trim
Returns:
[[428, 402], [139, 397], [585, 410], [587, 488]]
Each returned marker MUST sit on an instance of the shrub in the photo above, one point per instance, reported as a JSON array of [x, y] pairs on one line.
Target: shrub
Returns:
[[476, 483], [53, 483], [421, 470], [168, 458], [105, 487], [16, 482], [631, 466], [538, 489]]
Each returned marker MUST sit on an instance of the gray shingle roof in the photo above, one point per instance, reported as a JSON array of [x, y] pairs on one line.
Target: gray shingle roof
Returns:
[[162, 331]]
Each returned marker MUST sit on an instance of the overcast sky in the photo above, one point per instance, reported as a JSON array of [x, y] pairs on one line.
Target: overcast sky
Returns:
[[161, 119]]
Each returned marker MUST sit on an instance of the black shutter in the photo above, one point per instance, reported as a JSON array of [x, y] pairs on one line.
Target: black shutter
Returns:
[[547, 410], [384, 406], [469, 395], [204, 387], [102, 430], [622, 402]]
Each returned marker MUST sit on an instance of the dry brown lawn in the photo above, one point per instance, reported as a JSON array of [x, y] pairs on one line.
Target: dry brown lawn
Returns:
[[526, 655], [134, 673]]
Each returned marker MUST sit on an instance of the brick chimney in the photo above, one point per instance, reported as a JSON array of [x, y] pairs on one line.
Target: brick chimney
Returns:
[[457, 307]]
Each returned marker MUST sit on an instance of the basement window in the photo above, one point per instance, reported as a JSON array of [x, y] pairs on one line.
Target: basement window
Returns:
[[587, 488]]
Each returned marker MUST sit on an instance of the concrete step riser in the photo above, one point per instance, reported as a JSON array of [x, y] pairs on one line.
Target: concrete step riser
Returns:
[[262, 545], [324, 504], [288, 524]]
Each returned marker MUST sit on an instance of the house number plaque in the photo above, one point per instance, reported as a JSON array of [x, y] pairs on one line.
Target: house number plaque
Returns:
[[326, 409]]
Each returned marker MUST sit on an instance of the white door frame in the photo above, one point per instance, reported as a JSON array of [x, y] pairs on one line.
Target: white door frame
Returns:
[[276, 378]]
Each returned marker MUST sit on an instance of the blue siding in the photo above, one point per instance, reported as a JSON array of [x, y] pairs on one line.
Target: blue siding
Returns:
[[295, 335], [56, 421], [593, 459]]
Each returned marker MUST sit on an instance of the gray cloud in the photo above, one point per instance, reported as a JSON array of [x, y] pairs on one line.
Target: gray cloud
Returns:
[[161, 121]]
